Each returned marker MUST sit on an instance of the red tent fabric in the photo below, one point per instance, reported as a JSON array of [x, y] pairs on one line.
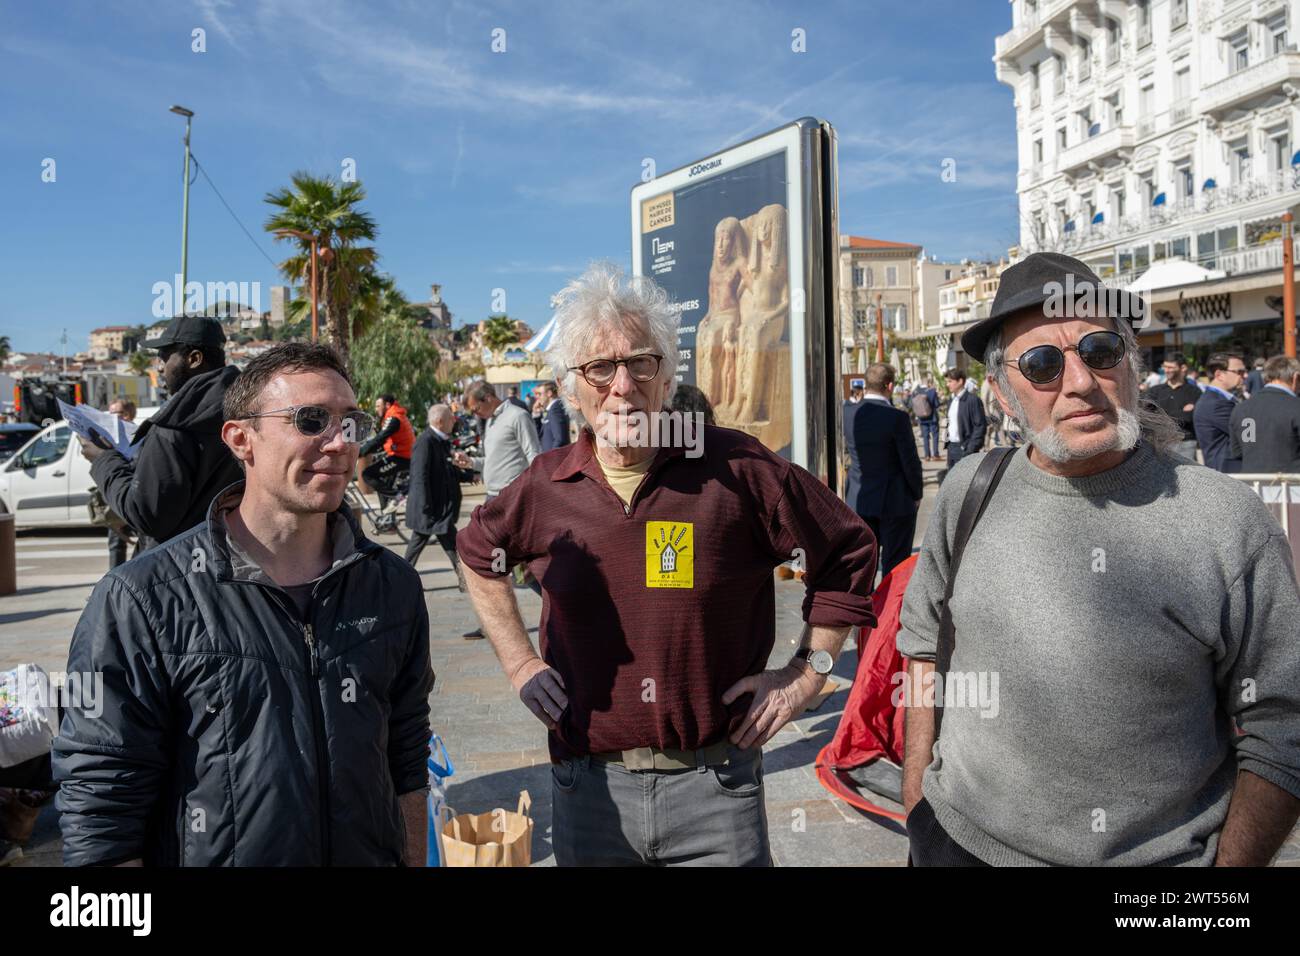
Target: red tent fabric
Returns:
[[872, 727]]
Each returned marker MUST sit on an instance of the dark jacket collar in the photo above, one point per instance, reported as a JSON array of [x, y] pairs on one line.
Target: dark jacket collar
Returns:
[[349, 541]]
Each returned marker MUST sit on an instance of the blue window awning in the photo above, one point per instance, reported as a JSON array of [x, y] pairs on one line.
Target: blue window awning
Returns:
[[1159, 200], [1094, 129], [1211, 184], [1069, 226], [1295, 159], [1100, 217]]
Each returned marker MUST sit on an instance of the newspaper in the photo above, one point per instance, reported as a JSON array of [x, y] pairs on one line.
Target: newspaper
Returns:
[[85, 421]]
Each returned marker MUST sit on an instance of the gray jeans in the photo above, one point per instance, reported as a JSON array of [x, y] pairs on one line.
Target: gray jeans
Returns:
[[606, 815]]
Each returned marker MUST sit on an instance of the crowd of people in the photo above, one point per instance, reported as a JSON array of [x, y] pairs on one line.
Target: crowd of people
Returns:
[[266, 665]]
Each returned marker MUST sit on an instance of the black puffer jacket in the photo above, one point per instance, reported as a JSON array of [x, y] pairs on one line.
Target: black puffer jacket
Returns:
[[232, 732], [180, 462]]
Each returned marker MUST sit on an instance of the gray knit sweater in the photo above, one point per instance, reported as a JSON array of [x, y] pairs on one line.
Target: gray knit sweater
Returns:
[[1117, 623]]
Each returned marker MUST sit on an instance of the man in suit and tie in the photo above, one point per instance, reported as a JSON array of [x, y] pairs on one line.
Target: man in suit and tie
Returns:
[[967, 423], [433, 500], [884, 469], [1213, 415], [1265, 431], [555, 419]]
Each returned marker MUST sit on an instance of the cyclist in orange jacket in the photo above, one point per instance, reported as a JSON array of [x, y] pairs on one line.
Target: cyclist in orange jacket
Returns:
[[397, 437]]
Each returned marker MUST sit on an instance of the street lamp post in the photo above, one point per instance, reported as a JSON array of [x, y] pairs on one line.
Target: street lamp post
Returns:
[[185, 205], [880, 330], [1288, 287]]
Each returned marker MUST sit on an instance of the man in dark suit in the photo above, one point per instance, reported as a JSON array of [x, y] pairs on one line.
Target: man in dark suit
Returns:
[[967, 423], [433, 500], [1213, 416], [555, 420], [884, 469], [1265, 431]]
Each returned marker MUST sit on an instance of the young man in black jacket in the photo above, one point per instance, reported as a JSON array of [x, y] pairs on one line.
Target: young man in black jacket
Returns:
[[180, 461], [266, 674], [1177, 398]]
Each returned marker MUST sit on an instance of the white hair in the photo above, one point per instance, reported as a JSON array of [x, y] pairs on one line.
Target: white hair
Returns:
[[603, 298], [436, 412], [1138, 419]]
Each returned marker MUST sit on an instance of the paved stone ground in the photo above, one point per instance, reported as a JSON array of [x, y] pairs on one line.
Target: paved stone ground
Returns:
[[496, 746]]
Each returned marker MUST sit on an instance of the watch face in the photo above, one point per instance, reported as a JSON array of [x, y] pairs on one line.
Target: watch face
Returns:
[[821, 662]]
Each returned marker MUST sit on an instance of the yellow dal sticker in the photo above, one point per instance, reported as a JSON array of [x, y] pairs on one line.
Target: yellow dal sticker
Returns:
[[669, 554]]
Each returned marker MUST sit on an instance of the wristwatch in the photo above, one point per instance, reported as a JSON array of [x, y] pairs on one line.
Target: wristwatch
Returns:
[[820, 661]]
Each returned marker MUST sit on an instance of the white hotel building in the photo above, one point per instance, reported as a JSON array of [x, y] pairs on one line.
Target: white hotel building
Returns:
[[1158, 139]]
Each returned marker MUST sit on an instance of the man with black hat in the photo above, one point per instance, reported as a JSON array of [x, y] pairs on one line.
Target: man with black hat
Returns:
[[1144, 717], [180, 462]]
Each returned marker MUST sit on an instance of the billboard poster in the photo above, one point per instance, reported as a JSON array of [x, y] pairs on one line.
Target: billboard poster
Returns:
[[728, 238]]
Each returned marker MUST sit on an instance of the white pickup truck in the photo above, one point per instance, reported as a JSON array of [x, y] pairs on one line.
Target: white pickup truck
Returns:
[[47, 482]]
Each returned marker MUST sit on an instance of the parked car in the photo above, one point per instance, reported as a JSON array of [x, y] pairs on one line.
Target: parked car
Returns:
[[13, 435], [47, 481]]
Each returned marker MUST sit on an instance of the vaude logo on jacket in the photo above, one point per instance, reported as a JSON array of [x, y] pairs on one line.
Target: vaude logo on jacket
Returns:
[[102, 909], [363, 624]]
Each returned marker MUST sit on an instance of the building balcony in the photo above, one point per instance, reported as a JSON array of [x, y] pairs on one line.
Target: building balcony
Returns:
[[1256, 82], [1029, 30], [1278, 189], [1097, 148]]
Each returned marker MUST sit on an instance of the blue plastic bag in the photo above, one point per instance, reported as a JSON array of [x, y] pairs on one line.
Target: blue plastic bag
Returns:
[[439, 812]]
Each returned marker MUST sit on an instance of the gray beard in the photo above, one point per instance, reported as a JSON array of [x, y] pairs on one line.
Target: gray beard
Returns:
[[1050, 443]]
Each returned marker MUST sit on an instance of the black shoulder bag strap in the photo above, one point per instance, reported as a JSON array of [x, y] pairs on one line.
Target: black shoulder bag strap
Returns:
[[987, 476]]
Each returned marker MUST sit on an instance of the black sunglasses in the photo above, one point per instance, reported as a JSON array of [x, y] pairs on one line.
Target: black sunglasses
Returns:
[[313, 420], [601, 372], [1044, 364]]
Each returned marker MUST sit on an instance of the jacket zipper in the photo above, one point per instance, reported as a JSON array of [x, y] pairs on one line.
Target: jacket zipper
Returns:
[[318, 735]]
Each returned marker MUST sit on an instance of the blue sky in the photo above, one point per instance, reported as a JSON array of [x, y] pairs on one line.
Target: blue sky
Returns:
[[484, 170]]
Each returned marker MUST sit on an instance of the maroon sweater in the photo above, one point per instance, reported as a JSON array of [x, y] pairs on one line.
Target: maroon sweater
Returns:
[[651, 611]]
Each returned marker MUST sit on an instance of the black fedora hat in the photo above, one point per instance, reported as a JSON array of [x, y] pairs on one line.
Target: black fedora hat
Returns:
[[1059, 282]]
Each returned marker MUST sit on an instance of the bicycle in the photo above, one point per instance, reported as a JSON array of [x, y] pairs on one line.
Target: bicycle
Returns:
[[389, 518]]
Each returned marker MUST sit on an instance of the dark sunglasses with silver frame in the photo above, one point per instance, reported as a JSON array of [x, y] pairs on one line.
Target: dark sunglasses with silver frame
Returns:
[[1044, 364], [312, 421]]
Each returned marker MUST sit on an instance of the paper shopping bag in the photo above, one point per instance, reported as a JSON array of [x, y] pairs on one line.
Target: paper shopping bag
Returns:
[[498, 838]]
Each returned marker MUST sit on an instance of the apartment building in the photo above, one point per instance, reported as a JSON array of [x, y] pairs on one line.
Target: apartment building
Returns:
[[1156, 144]]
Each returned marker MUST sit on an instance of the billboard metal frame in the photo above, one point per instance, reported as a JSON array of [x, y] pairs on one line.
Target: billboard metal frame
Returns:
[[812, 201]]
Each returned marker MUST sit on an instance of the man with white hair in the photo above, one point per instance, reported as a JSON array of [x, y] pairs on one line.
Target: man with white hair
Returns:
[[1149, 713], [655, 548], [433, 500]]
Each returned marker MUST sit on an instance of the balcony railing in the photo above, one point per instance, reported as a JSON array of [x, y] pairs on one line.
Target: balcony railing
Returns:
[[1180, 112], [1146, 127], [1112, 53], [1097, 147], [1144, 36], [1255, 80], [1029, 24], [1177, 16], [1085, 68], [1278, 184]]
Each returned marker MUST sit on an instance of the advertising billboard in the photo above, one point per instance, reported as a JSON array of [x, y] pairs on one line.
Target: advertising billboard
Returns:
[[744, 242]]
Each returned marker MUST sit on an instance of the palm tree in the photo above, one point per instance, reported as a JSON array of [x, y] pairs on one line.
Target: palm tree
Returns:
[[499, 333], [325, 209], [139, 362]]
